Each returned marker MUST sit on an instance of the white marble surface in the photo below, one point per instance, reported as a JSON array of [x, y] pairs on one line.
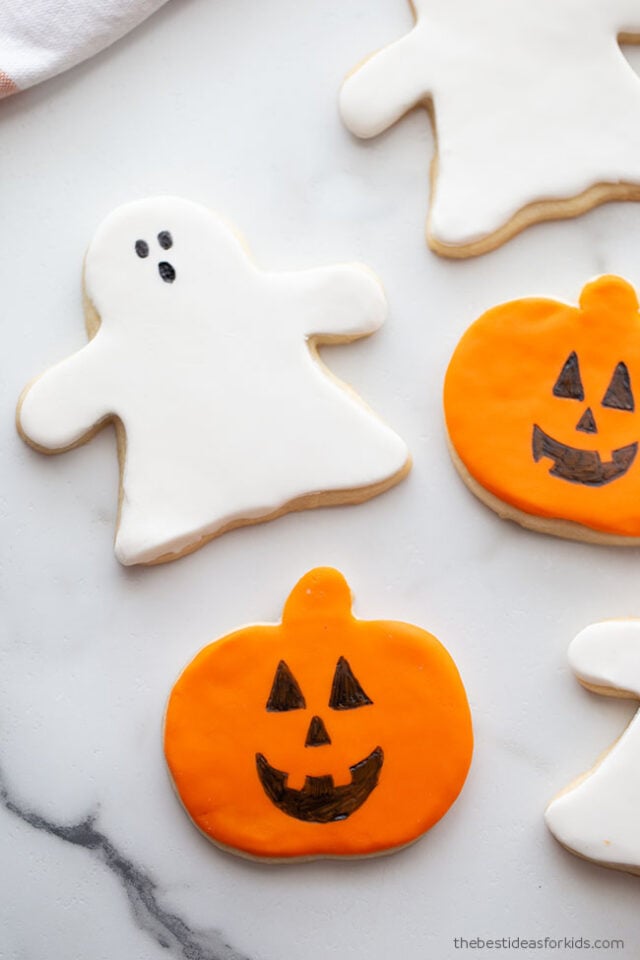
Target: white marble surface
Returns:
[[233, 103]]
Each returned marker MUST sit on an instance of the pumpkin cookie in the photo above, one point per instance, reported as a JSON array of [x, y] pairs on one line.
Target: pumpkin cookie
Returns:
[[517, 90], [208, 366], [321, 736], [540, 402], [596, 817]]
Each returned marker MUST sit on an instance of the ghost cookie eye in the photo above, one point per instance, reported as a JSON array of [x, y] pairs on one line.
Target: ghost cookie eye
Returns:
[[142, 248], [165, 239]]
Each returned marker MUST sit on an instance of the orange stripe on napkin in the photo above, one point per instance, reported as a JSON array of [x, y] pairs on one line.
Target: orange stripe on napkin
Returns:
[[7, 86]]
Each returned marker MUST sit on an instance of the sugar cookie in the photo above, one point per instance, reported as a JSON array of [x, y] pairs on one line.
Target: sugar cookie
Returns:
[[322, 736], [540, 404], [518, 91], [208, 366], [596, 816]]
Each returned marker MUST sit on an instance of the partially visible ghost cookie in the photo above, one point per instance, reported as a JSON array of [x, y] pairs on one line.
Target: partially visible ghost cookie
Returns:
[[208, 367], [541, 405], [518, 90], [596, 816], [321, 736]]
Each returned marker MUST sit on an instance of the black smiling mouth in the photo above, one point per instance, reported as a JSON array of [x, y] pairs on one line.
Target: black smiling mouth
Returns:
[[581, 466], [320, 801]]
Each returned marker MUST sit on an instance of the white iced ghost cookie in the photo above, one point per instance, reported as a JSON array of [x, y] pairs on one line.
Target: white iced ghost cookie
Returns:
[[518, 91], [596, 816], [207, 365]]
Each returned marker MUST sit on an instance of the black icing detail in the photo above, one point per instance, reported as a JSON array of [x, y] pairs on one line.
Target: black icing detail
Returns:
[[569, 382], [619, 395], [320, 801], [317, 734], [285, 692], [582, 466], [166, 271], [142, 248], [587, 422], [165, 240], [346, 692]]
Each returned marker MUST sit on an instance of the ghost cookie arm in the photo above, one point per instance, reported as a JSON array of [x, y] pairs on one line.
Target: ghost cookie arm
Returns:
[[333, 303], [606, 657], [385, 87], [62, 407]]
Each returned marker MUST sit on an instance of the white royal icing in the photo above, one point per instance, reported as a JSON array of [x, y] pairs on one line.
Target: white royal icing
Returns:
[[228, 414], [597, 817], [533, 100]]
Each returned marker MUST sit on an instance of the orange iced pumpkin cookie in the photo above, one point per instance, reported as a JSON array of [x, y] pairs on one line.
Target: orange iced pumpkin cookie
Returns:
[[321, 736], [541, 408]]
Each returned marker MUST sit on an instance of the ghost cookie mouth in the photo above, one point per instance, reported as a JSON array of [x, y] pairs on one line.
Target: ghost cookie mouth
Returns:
[[320, 801], [167, 271], [581, 466]]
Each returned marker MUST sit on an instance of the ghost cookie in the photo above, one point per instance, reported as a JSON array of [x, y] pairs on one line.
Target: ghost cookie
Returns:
[[517, 91], [596, 816], [321, 736], [208, 367], [540, 402]]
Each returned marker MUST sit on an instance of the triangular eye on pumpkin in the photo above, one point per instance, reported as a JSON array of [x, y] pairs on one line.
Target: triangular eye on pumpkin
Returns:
[[285, 692], [569, 382], [346, 692], [619, 395], [244, 770]]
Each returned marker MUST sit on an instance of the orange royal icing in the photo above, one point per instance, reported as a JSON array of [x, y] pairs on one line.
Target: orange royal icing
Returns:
[[376, 705], [541, 406]]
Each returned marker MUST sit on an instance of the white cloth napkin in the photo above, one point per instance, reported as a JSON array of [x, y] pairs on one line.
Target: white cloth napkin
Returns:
[[39, 38]]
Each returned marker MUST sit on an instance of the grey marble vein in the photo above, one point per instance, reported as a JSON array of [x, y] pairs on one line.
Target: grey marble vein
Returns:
[[168, 929]]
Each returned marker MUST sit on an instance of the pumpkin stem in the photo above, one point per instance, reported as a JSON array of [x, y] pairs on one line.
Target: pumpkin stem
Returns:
[[322, 592], [609, 295]]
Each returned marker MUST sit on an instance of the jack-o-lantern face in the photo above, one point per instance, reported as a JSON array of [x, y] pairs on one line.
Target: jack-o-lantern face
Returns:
[[579, 465], [319, 801], [541, 413], [320, 736]]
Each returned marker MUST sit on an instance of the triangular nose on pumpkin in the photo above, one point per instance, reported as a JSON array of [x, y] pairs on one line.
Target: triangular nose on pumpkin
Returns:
[[317, 734], [587, 422], [322, 592]]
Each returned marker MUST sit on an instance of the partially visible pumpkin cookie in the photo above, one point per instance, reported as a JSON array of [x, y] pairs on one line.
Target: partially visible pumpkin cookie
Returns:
[[541, 406], [321, 736]]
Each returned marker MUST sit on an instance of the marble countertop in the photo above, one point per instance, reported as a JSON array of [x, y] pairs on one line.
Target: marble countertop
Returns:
[[234, 104]]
